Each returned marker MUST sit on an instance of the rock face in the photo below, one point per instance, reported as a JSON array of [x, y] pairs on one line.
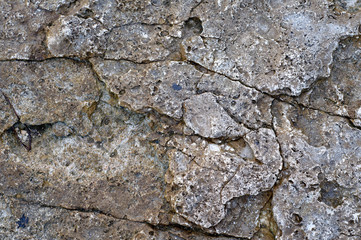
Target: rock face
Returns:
[[187, 119]]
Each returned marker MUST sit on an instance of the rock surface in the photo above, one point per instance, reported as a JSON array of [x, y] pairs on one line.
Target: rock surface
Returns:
[[187, 119]]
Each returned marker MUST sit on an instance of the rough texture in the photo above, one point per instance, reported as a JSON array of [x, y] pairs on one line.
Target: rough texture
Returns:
[[160, 86], [195, 119], [22, 31], [115, 173], [207, 118], [341, 92], [320, 193], [275, 46], [49, 91], [205, 176], [7, 115]]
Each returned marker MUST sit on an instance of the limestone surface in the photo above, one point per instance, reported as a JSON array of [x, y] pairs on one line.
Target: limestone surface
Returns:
[[169, 119], [205, 176], [340, 94], [321, 189], [274, 46], [49, 91]]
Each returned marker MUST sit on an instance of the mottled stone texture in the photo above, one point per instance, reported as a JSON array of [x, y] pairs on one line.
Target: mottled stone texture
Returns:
[[167, 119]]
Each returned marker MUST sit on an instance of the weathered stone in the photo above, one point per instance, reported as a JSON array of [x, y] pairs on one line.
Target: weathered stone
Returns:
[[244, 104], [158, 119], [269, 45], [74, 36], [203, 176], [7, 115], [115, 13], [53, 5], [60, 129], [22, 31], [319, 198], [49, 91], [20, 219], [242, 215], [161, 86], [207, 118], [120, 174], [340, 93], [140, 43]]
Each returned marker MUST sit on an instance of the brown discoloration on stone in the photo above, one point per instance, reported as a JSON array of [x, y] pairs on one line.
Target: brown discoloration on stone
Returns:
[[23, 30], [49, 91], [180, 119], [75, 172]]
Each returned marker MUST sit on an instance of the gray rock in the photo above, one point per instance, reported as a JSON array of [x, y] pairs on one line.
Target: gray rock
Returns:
[[318, 197], [115, 169], [23, 30], [161, 86], [207, 118], [158, 119], [140, 43], [114, 13], [206, 176], [269, 45], [20, 219], [74, 36], [340, 94], [7, 115], [49, 91], [244, 104]]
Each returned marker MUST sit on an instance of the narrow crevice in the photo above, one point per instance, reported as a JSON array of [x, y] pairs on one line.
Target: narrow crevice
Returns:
[[172, 226], [194, 8], [271, 224], [226, 183], [297, 104], [159, 227], [197, 65], [277, 140], [18, 133], [75, 209]]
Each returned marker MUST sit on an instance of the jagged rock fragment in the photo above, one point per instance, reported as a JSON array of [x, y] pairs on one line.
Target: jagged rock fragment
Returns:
[[48, 91], [22, 31], [74, 36], [242, 215], [161, 86], [319, 197], [203, 177], [341, 92], [278, 48], [246, 105], [208, 119]]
